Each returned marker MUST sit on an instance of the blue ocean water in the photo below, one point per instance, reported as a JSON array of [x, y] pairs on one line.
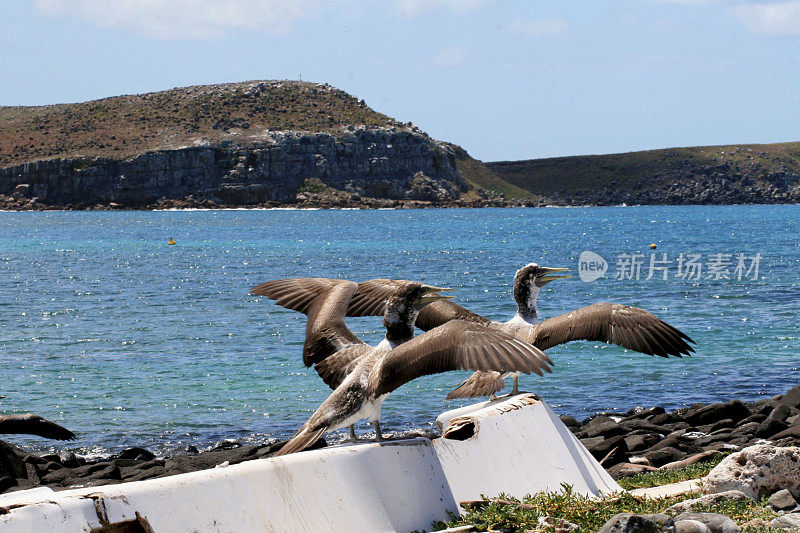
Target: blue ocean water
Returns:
[[129, 341]]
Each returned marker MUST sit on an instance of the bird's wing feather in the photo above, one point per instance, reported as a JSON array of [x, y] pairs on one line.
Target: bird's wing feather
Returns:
[[28, 424], [371, 297], [325, 301], [456, 345], [629, 327], [334, 368], [296, 294], [478, 384]]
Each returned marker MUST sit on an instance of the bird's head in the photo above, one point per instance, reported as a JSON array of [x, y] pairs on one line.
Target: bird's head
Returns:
[[406, 302], [413, 296], [528, 281], [534, 275]]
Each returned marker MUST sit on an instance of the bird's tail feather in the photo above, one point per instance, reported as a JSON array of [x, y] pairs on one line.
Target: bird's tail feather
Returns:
[[302, 440], [478, 384]]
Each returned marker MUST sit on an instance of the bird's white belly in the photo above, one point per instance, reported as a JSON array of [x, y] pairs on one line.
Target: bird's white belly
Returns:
[[369, 410]]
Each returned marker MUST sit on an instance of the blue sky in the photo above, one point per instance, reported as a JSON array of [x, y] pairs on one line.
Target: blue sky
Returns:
[[504, 79]]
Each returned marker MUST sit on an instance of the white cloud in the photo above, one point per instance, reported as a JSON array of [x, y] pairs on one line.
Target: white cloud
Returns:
[[201, 19], [774, 17], [451, 56], [539, 27], [414, 8], [180, 19]]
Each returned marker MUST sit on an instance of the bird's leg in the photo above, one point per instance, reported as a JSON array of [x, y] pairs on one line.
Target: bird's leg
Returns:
[[353, 437], [378, 435], [515, 388], [492, 397]]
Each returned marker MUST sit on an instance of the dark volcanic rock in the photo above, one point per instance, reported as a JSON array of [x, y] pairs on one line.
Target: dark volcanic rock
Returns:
[[790, 433], [136, 453], [792, 398], [636, 443], [28, 470], [11, 463], [720, 424], [6, 482], [780, 413], [734, 410], [663, 456], [640, 425], [671, 441], [645, 413], [570, 422], [627, 469], [630, 523], [770, 427], [603, 426], [749, 429], [663, 418], [753, 418]]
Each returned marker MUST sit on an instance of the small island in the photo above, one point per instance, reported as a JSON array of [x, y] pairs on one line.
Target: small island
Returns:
[[265, 144]]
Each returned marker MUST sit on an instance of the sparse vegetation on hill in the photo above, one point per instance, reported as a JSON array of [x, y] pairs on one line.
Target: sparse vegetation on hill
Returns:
[[262, 135], [732, 173], [123, 126]]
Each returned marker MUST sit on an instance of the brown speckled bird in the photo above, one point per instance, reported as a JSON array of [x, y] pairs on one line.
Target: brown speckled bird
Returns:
[[630, 327], [363, 375]]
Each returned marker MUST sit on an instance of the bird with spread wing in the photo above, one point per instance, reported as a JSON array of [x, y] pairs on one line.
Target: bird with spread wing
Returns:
[[363, 375], [626, 326]]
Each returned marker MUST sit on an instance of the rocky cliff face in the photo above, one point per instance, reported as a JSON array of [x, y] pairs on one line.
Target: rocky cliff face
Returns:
[[706, 186], [387, 162]]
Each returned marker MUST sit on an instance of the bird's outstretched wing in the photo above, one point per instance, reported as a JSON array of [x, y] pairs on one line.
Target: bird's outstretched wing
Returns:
[[371, 296], [334, 368], [28, 424], [325, 301], [478, 384], [629, 327], [369, 300], [296, 294], [456, 345]]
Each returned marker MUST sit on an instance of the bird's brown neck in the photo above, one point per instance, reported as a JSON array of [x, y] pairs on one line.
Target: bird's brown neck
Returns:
[[399, 323], [525, 295]]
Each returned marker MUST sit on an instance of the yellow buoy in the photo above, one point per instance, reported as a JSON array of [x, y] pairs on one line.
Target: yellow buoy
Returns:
[[653, 246], [172, 241]]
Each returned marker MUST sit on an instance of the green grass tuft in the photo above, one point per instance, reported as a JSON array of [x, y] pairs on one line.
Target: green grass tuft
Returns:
[[589, 513], [665, 477], [312, 185]]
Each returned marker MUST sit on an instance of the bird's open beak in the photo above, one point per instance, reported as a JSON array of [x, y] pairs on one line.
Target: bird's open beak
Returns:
[[545, 277], [432, 294]]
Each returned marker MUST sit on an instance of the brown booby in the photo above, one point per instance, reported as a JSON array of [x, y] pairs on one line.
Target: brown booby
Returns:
[[362, 375], [28, 424]]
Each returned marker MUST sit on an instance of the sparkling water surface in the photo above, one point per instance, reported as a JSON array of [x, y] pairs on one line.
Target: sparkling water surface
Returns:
[[128, 341]]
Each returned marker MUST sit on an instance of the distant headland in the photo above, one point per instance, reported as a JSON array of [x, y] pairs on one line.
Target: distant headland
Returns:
[[301, 144]]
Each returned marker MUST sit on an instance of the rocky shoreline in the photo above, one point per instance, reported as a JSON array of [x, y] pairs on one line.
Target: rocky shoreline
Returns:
[[333, 200], [639, 440], [642, 440], [345, 201]]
